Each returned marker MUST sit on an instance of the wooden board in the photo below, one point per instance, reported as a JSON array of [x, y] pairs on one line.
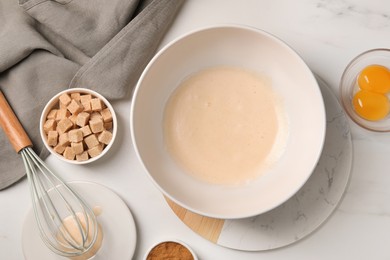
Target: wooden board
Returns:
[[209, 228]]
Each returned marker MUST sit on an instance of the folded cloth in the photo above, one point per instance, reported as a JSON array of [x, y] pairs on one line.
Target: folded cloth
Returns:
[[47, 46]]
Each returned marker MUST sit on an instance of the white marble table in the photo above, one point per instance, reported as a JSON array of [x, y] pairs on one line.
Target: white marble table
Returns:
[[327, 34]]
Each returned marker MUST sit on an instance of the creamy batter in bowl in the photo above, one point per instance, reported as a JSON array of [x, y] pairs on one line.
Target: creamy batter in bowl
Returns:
[[299, 134], [225, 125]]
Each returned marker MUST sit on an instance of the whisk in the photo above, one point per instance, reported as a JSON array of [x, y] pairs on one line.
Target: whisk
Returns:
[[53, 200]]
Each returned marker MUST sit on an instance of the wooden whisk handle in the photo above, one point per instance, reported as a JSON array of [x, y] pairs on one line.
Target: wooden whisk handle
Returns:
[[12, 127]]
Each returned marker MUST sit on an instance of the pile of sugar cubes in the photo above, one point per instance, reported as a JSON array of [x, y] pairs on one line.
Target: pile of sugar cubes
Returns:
[[79, 127]]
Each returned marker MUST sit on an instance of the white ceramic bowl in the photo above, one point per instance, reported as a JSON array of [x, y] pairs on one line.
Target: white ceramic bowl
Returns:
[[251, 49], [54, 101]]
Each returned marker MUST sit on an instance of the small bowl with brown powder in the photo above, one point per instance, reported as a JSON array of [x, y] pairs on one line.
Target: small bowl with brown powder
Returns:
[[170, 249]]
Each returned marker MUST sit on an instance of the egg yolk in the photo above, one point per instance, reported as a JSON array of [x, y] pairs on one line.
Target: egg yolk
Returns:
[[375, 78], [371, 105]]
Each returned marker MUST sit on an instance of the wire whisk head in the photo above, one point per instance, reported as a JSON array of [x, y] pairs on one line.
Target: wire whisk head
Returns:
[[67, 225]]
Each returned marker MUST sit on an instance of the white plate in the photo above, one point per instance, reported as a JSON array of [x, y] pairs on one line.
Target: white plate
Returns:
[[118, 226]]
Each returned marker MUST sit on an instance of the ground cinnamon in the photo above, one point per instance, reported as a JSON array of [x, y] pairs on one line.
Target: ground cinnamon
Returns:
[[170, 250]]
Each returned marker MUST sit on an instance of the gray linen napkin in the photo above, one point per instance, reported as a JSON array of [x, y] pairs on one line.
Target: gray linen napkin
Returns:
[[47, 46]]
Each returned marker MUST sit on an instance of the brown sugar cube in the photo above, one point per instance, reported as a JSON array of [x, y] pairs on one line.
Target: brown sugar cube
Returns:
[[78, 148], [52, 138], [62, 106], [96, 126], [96, 104], [65, 99], [62, 113], [95, 151], [82, 119], [73, 118], [63, 139], [75, 135], [85, 98], [49, 125], [105, 137], [106, 115], [108, 125], [69, 153], [91, 141], [64, 125], [76, 96], [75, 107], [52, 114], [96, 115], [82, 157], [86, 130], [87, 106], [59, 149]]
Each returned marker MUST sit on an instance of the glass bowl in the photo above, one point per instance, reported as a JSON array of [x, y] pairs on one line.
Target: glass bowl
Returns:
[[349, 86]]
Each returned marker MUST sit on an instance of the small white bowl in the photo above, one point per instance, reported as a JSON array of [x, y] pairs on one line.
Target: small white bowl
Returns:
[[171, 241], [246, 48], [54, 101]]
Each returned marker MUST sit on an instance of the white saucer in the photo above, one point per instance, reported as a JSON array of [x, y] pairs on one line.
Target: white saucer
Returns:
[[119, 231]]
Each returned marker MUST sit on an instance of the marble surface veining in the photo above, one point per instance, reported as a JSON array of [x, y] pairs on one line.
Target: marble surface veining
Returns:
[[370, 14]]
